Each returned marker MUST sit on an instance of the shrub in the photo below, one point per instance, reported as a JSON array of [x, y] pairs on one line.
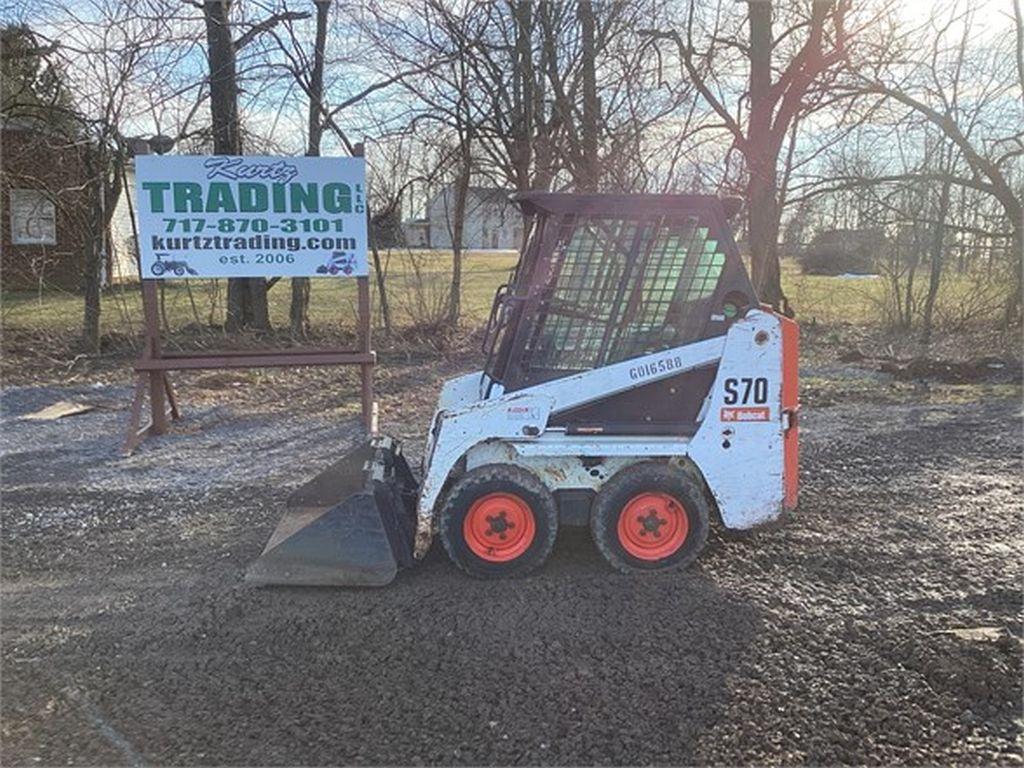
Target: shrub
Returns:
[[838, 251]]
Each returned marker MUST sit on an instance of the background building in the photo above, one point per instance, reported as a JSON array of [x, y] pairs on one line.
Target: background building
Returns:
[[44, 229], [492, 221]]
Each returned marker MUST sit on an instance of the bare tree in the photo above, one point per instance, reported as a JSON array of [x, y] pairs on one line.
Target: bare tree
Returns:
[[444, 36], [940, 151], [299, 310], [776, 96], [247, 297], [974, 96], [110, 52], [531, 95], [589, 172]]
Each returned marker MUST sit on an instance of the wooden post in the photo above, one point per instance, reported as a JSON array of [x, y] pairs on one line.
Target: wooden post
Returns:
[[157, 390], [365, 332], [159, 385], [365, 345]]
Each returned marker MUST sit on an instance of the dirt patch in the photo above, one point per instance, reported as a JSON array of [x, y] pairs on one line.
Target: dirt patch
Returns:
[[827, 344], [991, 369]]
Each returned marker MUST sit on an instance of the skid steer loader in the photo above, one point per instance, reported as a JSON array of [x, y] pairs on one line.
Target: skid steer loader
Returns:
[[631, 383]]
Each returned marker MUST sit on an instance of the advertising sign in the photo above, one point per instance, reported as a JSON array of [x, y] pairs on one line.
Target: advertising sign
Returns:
[[227, 216]]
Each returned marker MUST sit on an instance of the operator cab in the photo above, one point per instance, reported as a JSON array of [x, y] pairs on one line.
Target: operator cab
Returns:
[[607, 278]]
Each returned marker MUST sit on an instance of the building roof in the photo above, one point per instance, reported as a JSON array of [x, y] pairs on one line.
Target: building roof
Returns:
[[492, 194], [605, 204], [483, 194]]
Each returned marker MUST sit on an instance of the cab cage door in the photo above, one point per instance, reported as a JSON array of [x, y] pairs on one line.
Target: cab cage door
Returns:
[[608, 278], [509, 302]]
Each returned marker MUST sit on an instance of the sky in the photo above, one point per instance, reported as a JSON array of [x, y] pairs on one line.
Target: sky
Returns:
[[991, 16], [279, 112]]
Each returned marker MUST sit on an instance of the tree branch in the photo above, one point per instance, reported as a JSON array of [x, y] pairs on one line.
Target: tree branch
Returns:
[[686, 58], [268, 23]]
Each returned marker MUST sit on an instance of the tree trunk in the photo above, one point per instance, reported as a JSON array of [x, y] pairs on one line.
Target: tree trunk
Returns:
[[523, 95], [247, 297], [105, 186], [761, 154], [458, 226], [378, 272], [544, 126], [937, 253], [298, 312], [763, 232], [590, 173], [92, 270], [1012, 311], [237, 305], [227, 138], [908, 312], [91, 279]]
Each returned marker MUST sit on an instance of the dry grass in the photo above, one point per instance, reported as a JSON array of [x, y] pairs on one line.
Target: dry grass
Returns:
[[411, 279], [840, 312]]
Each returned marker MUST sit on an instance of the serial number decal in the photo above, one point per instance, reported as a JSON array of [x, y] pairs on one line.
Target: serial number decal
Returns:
[[522, 413], [746, 390], [647, 370], [749, 413]]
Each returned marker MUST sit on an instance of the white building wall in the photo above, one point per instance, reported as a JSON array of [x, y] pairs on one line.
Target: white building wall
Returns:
[[123, 264], [417, 234], [490, 223]]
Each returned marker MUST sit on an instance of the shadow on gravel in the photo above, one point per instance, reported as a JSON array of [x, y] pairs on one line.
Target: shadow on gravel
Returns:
[[575, 665]]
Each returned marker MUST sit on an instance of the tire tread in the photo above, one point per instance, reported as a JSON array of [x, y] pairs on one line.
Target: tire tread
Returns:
[[449, 531], [604, 521]]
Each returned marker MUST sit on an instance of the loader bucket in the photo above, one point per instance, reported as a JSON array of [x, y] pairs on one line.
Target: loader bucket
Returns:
[[351, 525]]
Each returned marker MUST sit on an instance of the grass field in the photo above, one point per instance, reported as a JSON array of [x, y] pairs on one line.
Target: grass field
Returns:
[[417, 289], [417, 286]]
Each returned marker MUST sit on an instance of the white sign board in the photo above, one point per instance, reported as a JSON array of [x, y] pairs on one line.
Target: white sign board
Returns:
[[227, 216]]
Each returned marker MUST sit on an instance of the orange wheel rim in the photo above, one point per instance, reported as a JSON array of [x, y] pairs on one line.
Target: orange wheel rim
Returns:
[[499, 527], [653, 526]]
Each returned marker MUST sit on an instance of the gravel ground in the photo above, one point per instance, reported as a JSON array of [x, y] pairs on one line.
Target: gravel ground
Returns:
[[128, 636]]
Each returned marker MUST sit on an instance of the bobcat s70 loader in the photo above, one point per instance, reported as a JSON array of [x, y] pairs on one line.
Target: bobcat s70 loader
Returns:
[[632, 383]]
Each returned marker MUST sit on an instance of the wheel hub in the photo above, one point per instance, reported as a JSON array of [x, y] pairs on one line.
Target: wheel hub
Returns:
[[650, 523], [499, 527], [653, 526]]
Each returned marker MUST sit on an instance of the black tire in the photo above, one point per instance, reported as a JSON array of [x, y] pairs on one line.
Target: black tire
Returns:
[[158, 269], [483, 482], [626, 485]]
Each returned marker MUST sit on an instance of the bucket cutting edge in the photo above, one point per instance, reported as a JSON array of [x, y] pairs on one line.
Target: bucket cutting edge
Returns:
[[351, 525]]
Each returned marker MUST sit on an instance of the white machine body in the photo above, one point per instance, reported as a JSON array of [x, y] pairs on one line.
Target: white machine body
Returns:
[[744, 447]]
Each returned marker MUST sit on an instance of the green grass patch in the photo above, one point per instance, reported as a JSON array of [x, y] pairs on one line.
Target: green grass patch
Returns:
[[829, 300], [416, 283], [417, 286]]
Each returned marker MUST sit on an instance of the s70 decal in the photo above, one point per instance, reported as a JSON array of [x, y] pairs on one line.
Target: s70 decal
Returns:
[[745, 390]]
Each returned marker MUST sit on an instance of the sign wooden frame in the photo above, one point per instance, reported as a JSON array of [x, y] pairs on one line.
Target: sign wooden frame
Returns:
[[153, 367]]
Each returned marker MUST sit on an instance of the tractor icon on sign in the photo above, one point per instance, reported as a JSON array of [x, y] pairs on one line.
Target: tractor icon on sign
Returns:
[[179, 268], [340, 262]]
